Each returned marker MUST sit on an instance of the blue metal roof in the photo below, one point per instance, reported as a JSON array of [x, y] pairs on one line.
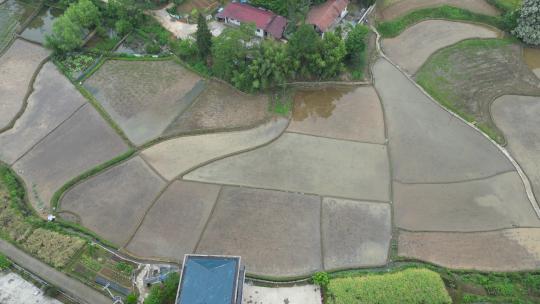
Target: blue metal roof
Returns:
[[209, 280]]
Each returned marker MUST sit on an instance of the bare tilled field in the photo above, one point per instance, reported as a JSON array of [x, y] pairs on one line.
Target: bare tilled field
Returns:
[[391, 9], [517, 117], [17, 66], [468, 76], [144, 97], [52, 102], [502, 250], [80, 143], [113, 202], [220, 107]]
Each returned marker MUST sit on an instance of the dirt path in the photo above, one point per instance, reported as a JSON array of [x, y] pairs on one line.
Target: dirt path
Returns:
[[180, 29], [75, 288]]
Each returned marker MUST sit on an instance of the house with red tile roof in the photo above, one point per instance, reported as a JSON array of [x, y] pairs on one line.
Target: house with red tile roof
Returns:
[[268, 24], [324, 16]]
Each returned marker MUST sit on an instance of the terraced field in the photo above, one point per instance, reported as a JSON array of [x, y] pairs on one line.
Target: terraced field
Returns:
[[468, 76]]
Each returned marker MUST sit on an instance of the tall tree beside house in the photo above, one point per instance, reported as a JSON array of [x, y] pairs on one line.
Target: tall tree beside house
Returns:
[[204, 38], [333, 53], [528, 27], [304, 49], [229, 51]]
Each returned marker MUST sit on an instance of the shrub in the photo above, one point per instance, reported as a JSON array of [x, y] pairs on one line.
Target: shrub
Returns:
[[123, 27], [51, 291], [131, 299], [152, 48], [410, 286], [4, 262], [321, 278]]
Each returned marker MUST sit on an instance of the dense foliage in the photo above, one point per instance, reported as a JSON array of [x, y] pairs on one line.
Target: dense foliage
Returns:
[[68, 29], [255, 66], [410, 286], [528, 23], [164, 293], [204, 37]]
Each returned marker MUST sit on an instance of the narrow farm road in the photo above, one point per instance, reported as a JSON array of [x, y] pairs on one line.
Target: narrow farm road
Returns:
[[53, 276]]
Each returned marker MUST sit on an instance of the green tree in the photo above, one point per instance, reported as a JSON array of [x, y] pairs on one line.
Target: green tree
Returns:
[[356, 42], [333, 53], [123, 27], [204, 38], [304, 49], [84, 13], [164, 293], [271, 66], [528, 24], [229, 51], [66, 35]]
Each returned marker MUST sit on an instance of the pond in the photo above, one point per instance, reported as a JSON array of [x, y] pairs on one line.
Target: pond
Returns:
[[41, 25], [103, 42], [532, 59], [134, 44], [317, 104], [12, 14]]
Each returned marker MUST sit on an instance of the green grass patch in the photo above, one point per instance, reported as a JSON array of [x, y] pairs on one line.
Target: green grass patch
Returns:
[[506, 5], [281, 102], [394, 27], [410, 286], [434, 78]]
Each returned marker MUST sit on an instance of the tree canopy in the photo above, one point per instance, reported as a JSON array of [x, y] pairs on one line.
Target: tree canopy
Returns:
[[528, 25], [204, 37]]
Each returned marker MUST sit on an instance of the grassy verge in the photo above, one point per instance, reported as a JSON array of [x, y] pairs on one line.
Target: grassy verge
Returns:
[[407, 286], [64, 246], [438, 79], [393, 28], [506, 5]]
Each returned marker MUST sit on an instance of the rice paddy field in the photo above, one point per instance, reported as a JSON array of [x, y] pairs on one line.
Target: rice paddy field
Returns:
[[12, 14]]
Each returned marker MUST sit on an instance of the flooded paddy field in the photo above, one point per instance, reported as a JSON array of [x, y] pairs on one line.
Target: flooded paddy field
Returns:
[[12, 14], [41, 25]]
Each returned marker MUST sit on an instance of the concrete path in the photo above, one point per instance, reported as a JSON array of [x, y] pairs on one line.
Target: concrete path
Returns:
[[413, 47], [51, 275], [14, 289], [304, 294]]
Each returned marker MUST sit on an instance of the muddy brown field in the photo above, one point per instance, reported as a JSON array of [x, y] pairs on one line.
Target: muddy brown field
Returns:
[[393, 9], [143, 97], [468, 76], [220, 107]]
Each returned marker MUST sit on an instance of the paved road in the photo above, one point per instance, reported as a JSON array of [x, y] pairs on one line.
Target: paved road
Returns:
[[51, 275]]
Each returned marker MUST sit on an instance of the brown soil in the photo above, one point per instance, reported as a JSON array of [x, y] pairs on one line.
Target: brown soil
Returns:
[[473, 77], [400, 8], [504, 250], [220, 107]]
